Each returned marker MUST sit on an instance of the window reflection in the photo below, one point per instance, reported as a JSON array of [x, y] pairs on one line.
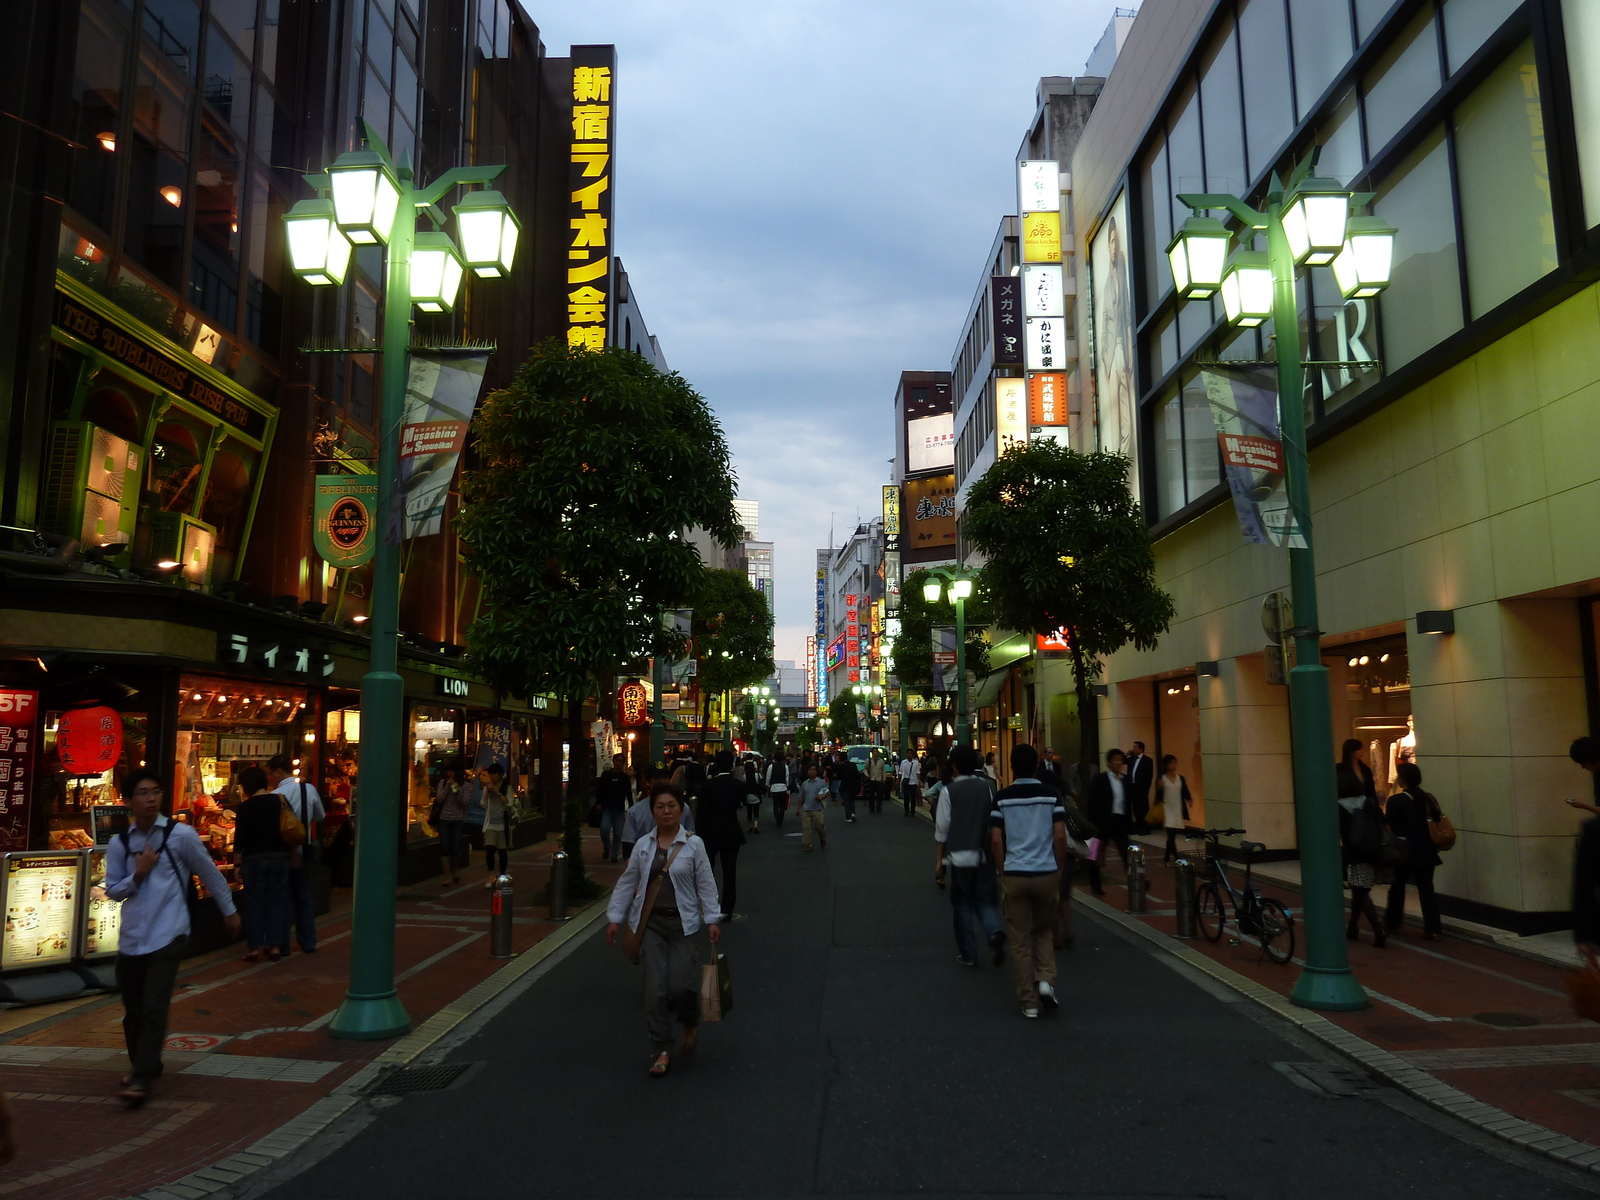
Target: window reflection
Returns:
[[1202, 459], [1321, 46], [95, 100], [175, 462], [174, 27], [1468, 24], [1219, 99], [227, 502], [1269, 111], [1405, 77], [1169, 457], [1155, 217], [160, 175], [1341, 156], [1422, 305]]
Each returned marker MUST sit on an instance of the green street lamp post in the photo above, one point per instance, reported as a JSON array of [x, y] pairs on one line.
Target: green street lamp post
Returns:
[[1307, 222], [960, 587], [374, 202]]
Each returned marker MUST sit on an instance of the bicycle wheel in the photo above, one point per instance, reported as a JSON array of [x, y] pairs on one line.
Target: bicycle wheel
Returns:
[[1276, 931], [1209, 911]]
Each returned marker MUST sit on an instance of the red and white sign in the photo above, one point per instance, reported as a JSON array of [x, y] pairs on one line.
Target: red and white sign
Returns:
[[197, 1041], [1047, 398], [1053, 643], [19, 733], [1253, 453]]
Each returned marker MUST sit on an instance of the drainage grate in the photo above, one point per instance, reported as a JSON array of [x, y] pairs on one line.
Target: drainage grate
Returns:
[[1328, 1079], [1507, 1020], [403, 1081]]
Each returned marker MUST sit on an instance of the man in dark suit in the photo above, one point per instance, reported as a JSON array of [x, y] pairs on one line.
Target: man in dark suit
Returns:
[[1109, 803], [1141, 774]]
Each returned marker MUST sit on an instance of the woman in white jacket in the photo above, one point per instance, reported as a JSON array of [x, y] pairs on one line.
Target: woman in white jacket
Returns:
[[673, 863]]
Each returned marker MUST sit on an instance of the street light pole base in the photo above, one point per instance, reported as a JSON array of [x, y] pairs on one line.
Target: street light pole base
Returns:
[[370, 1018], [1330, 991]]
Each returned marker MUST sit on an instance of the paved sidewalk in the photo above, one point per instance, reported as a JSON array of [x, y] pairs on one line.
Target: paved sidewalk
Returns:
[[1492, 1023], [248, 1047]]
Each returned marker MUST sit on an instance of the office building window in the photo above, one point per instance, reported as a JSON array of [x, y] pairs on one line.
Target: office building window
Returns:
[[1406, 75], [1321, 46], [1423, 303], [1268, 101], [1580, 21]]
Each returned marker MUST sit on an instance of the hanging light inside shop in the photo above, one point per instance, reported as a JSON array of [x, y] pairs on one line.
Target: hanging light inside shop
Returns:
[[1314, 221], [488, 230], [318, 252], [1362, 267], [365, 196], [1247, 288], [436, 272], [1198, 252]]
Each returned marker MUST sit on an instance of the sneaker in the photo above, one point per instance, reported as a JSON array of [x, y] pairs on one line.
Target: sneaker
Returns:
[[966, 962], [1047, 994], [997, 944], [1030, 1013]]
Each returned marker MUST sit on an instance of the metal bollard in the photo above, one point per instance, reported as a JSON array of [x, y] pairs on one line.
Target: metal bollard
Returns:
[[1136, 884], [1183, 891], [558, 886], [500, 918]]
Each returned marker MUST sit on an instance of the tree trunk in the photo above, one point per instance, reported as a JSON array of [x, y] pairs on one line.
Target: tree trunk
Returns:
[[579, 754], [1088, 715], [705, 709]]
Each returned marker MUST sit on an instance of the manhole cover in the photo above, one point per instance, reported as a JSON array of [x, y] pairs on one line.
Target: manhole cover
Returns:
[[1507, 1020], [403, 1081]]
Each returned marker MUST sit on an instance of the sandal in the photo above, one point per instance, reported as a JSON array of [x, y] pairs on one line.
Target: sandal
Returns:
[[134, 1095], [659, 1066]]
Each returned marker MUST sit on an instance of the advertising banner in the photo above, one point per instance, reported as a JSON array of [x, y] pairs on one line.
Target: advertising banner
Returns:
[[930, 443], [1244, 407], [441, 393], [1047, 398], [19, 731], [1112, 326], [1010, 413], [346, 510], [1045, 343], [592, 149], [835, 652], [944, 658], [102, 916], [1005, 314], [891, 510], [928, 512], [1041, 237], [1043, 292]]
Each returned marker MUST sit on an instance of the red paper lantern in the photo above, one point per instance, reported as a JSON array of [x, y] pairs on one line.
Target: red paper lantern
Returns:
[[632, 704], [89, 740]]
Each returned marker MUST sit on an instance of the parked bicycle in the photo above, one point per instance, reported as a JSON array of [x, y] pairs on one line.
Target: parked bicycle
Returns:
[[1254, 915]]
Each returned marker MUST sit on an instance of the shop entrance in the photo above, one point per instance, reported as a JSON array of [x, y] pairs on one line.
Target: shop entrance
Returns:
[[1371, 697]]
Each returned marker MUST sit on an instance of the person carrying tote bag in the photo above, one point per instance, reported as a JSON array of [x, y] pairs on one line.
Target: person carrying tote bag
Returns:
[[664, 897]]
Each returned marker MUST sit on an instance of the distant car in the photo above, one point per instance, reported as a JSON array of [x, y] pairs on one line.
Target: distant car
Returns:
[[860, 754]]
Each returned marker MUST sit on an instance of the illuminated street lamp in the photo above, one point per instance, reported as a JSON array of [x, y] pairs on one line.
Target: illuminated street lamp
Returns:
[[959, 589], [375, 203], [1197, 253], [488, 231], [1307, 222]]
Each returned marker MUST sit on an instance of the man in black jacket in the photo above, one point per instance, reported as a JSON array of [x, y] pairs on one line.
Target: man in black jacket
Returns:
[[1110, 803], [720, 802], [1141, 774]]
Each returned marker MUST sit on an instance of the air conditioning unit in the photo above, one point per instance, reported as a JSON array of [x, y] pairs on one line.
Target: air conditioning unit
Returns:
[[177, 538], [91, 484]]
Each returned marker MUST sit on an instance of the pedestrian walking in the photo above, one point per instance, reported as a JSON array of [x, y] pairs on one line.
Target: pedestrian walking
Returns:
[[306, 804], [876, 776], [1407, 814], [910, 789], [1586, 893], [778, 787], [848, 777], [641, 820], [499, 820], [1140, 776], [1028, 841], [812, 817], [1172, 793], [960, 829], [613, 790], [753, 793], [1109, 813], [989, 768], [720, 829], [263, 858], [1360, 837], [447, 816], [149, 867], [666, 893], [1050, 771]]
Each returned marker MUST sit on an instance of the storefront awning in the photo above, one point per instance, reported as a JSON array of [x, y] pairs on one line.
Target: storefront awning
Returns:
[[989, 689]]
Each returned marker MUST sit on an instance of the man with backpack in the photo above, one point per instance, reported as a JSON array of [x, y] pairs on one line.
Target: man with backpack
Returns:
[[778, 788], [306, 805], [150, 868]]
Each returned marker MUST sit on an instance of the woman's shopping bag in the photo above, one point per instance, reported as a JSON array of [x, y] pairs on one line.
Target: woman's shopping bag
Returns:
[[716, 988]]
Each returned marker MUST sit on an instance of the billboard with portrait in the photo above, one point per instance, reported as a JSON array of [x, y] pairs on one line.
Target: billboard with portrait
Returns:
[[1111, 292]]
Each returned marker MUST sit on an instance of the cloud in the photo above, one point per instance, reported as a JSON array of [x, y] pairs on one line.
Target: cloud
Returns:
[[805, 194]]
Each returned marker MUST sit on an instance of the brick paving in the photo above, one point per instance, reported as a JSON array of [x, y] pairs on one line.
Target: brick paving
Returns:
[[261, 1051], [1496, 1025]]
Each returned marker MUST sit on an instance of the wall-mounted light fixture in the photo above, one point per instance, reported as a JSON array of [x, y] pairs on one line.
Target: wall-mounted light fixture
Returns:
[[1436, 620], [1206, 667]]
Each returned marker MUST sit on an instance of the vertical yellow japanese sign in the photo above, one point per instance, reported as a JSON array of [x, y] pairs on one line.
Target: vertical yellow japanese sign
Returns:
[[589, 246]]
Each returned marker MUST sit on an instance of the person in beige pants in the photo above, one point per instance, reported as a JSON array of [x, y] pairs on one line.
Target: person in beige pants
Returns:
[[1028, 837], [812, 793]]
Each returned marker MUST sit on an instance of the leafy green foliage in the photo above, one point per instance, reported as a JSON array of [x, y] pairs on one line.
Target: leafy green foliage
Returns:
[[911, 652], [842, 722], [732, 632], [1067, 547]]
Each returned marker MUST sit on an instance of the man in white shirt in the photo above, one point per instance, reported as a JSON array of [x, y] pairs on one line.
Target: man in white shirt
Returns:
[[307, 805], [910, 788], [1109, 802], [149, 868]]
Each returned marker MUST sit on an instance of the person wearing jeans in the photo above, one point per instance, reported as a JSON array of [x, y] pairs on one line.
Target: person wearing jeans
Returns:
[[1028, 838], [306, 804], [812, 818], [958, 834], [613, 790], [263, 858], [1407, 814]]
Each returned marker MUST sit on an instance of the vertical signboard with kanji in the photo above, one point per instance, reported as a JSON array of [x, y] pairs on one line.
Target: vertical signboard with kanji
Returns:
[[590, 239], [1005, 300], [891, 546], [19, 732], [852, 638]]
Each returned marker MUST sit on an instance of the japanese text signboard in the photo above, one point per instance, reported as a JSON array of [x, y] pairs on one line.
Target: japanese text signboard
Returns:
[[19, 731], [41, 900], [1047, 398], [928, 512], [589, 246], [1005, 300]]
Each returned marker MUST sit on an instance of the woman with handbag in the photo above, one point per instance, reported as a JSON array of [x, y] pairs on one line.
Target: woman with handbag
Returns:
[[1407, 814], [666, 893], [262, 852], [1361, 837], [499, 818], [1172, 805]]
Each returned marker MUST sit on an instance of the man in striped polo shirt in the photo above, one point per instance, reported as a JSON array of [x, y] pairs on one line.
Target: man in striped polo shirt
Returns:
[[1028, 833]]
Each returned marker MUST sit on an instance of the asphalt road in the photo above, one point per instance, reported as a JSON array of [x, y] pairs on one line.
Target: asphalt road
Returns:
[[861, 1060]]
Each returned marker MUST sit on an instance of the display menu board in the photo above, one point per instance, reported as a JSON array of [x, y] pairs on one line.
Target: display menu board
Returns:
[[41, 900], [102, 916], [109, 820]]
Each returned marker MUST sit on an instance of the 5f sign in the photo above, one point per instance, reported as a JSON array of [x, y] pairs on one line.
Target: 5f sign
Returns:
[[18, 703]]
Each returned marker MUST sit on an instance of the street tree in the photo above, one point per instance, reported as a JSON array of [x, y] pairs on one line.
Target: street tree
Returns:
[[911, 652], [842, 721], [1067, 549], [732, 631], [592, 466]]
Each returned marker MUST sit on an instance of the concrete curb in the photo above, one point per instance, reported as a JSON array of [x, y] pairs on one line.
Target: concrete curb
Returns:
[[294, 1134], [1383, 1064]]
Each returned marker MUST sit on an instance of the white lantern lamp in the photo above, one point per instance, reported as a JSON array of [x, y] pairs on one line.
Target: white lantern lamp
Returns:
[[1247, 288], [1314, 219], [1363, 266], [318, 252], [960, 589], [436, 272], [488, 231], [1198, 252], [365, 196], [931, 590]]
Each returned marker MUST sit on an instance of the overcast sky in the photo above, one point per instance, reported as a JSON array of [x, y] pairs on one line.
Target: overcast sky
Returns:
[[805, 192]]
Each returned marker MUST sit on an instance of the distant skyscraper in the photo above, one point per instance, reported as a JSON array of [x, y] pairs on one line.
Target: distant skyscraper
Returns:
[[750, 517], [758, 568]]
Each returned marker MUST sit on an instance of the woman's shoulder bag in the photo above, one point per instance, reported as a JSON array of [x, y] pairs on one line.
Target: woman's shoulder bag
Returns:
[[633, 938], [1440, 830], [290, 829]]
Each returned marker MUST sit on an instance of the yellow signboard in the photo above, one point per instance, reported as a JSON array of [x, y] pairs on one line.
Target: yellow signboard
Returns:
[[1041, 237]]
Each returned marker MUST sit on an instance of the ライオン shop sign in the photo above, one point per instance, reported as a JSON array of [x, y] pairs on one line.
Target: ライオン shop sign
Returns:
[[589, 276]]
